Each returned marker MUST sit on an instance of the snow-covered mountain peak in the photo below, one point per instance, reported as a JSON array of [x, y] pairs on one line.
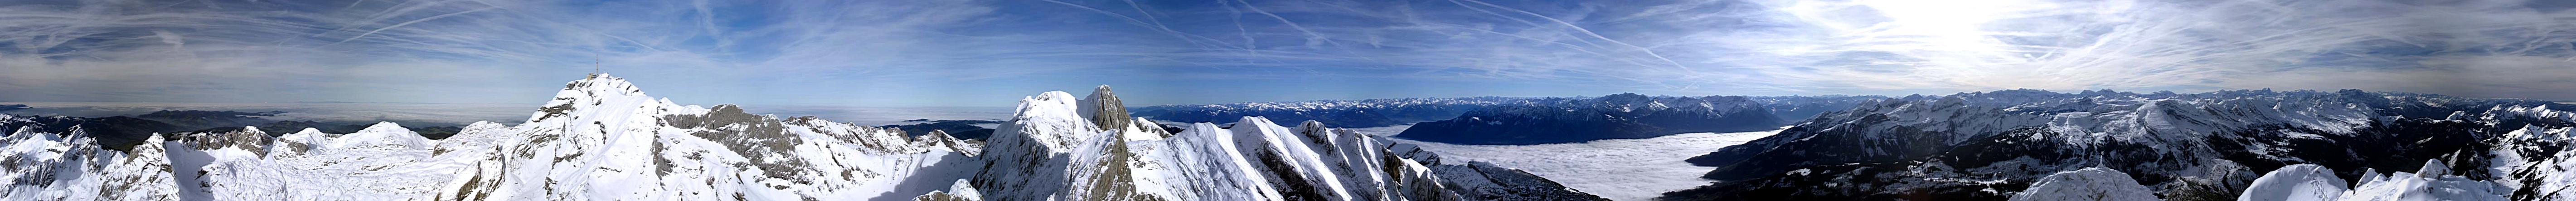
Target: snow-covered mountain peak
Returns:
[[2432, 182], [2433, 168], [77, 168], [1052, 119], [384, 127], [1059, 148], [2087, 184], [383, 134], [2296, 182], [603, 84], [602, 96], [29, 132]]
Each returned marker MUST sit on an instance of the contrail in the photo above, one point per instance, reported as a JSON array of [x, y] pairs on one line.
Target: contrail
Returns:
[[372, 32]]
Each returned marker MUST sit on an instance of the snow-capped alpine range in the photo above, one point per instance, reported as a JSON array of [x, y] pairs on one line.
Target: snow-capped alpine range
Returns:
[[602, 138], [1288, 100]]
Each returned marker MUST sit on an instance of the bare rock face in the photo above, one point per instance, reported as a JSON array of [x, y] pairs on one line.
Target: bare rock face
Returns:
[[1104, 109]]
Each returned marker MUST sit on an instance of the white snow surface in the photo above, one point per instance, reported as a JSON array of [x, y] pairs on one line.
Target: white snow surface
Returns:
[[2101, 184], [2302, 182], [2432, 182], [2309, 182], [1619, 169]]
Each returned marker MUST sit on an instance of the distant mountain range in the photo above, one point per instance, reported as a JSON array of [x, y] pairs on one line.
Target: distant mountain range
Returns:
[[1502, 120], [2227, 145], [2041, 145], [123, 132]]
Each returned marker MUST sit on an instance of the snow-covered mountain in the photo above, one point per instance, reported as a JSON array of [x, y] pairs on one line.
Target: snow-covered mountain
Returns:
[[2430, 182], [2206, 146], [602, 138], [1056, 149], [46, 166]]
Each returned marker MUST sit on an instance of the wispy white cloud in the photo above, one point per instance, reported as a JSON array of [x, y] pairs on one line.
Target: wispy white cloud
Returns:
[[898, 52], [417, 51], [1881, 46]]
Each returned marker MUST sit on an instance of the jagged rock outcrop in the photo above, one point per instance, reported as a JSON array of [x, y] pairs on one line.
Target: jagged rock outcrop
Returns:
[[47, 166], [961, 191], [2430, 182], [1104, 109]]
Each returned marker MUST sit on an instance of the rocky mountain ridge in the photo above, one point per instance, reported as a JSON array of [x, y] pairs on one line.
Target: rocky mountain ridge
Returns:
[[603, 139]]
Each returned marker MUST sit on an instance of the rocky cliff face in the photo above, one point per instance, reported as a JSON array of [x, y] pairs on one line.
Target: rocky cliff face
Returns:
[[1104, 109]]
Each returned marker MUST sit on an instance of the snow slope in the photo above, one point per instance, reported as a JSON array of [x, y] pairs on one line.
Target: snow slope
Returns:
[[2100, 184], [2302, 182], [2430, 182]]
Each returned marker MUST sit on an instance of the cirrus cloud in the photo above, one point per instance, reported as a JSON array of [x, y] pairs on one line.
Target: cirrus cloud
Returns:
[[979, 53]]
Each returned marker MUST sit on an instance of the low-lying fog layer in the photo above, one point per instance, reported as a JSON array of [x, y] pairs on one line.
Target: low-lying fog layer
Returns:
[[1619, 169]]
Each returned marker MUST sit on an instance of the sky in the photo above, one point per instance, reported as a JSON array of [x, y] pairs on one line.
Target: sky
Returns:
[[991, 53]]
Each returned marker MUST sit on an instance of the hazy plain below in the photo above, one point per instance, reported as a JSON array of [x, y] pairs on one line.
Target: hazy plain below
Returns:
[[1619, 169]]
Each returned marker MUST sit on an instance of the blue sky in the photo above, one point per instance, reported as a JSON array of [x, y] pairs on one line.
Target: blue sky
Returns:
[[990, 53]]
